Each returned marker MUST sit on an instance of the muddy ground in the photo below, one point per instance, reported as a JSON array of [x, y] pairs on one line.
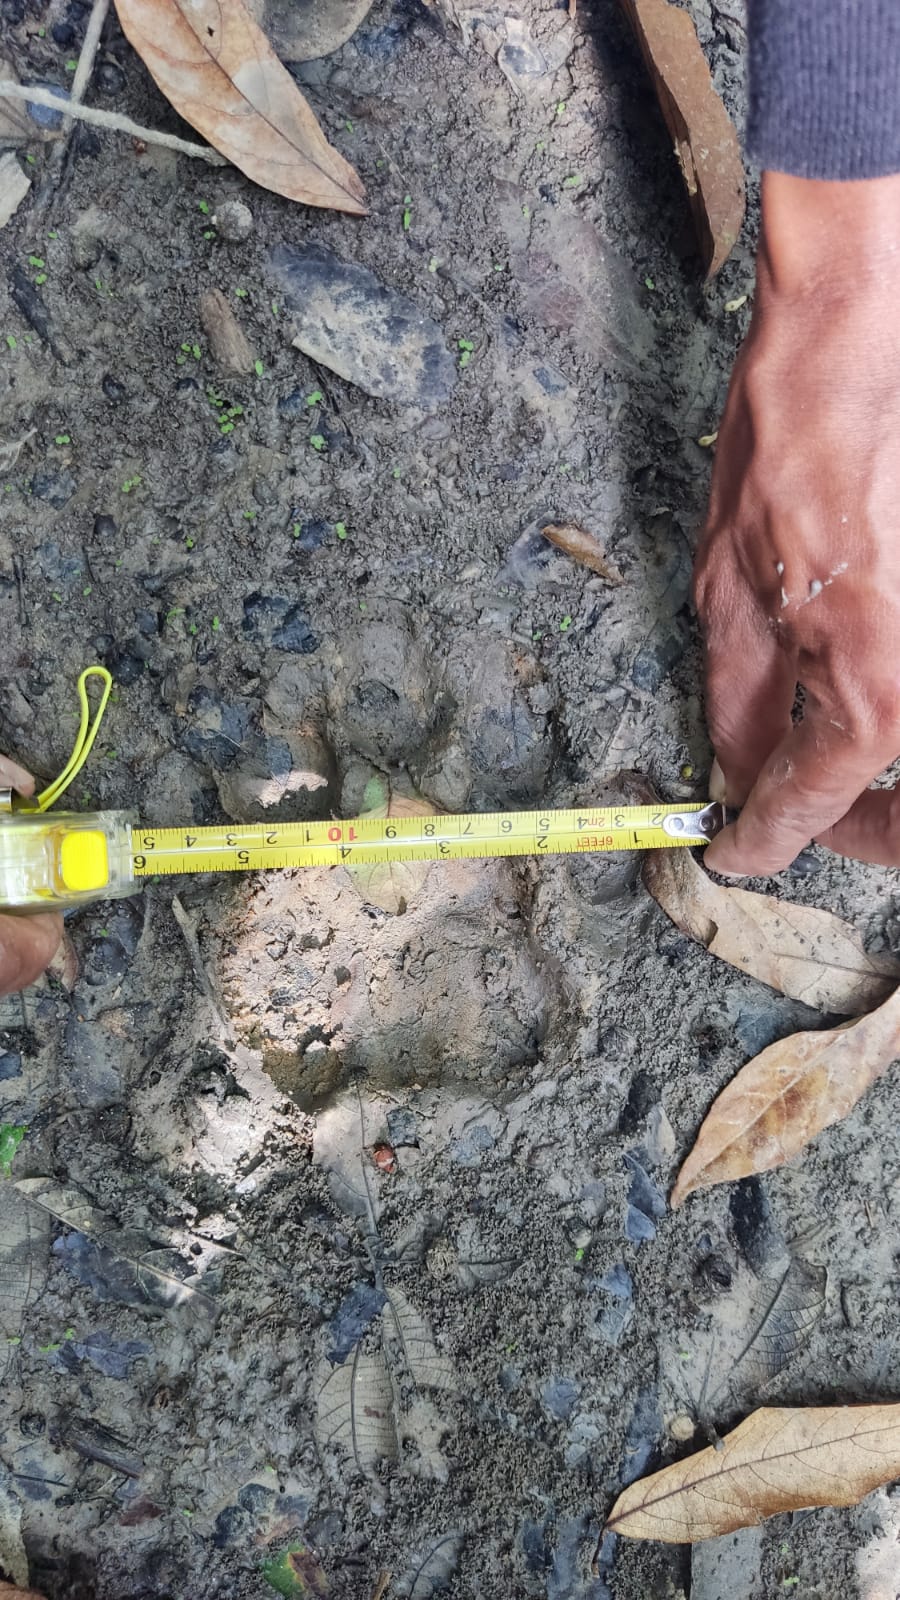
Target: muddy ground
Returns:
[[252, 1332]]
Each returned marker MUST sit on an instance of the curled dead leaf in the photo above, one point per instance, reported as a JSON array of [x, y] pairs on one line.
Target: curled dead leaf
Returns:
[[779, 1459], [217, 68], [706, 143], [807, 954], [787, 1095], [582, 546]]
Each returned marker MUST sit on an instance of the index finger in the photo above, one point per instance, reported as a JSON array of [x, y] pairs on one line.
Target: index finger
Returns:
[[808, 783]]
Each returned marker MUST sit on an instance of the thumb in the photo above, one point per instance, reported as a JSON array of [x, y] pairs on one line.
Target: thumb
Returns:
[[27, 944]]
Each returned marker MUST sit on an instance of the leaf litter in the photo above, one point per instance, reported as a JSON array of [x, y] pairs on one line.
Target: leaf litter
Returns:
[[780, 1459], [786, 1096], [216, 67], [788, 1322], [428, 1366], [433, 1570], [115, 1264], [583, 546], [706, 142], [354, 1409], [807, 954]]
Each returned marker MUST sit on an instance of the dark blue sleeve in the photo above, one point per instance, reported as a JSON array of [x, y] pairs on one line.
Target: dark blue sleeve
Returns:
[[825, 87]]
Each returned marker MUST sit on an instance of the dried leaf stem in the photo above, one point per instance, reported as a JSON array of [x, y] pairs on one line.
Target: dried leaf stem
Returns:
[[112, 120]]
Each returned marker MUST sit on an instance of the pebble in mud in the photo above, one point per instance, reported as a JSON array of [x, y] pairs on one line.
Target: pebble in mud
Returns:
[[560, 1397], [109, 78], [359, 328], [274, 620], [57, 488], [113, 389], [217, 728], [234, 221]]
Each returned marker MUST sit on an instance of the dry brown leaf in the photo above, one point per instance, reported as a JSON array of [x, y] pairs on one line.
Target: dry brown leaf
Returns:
[[582, 546], [780, 1459], [706, 143], [219, 71], [392, 885], [65, 965], [787, 1095], [807, 954]]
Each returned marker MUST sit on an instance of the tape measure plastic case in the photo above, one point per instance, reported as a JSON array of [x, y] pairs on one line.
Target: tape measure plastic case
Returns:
[[65, 859]]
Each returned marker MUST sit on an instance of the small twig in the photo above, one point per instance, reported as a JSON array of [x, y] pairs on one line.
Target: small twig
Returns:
[[110, 119], [381, 1587], [19, 571], [86, 59], [53, 172], [189, 932]]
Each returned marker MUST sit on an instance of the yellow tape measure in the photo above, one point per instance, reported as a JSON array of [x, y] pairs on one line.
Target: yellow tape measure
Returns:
[[57, 859], [68, 859], [254, 846]]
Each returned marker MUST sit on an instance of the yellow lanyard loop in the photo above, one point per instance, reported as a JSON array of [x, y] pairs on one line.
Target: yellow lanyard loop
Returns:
[[84, 742]]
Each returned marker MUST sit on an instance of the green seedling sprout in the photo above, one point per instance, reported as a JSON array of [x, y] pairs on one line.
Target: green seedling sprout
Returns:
[[317, 440], [62, 438], [316, 398], [11, 1136], [407, 212], [12, 342], [341, 530], [258, 368]]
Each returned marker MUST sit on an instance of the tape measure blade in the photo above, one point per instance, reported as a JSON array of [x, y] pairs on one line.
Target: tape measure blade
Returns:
[[243, 847]]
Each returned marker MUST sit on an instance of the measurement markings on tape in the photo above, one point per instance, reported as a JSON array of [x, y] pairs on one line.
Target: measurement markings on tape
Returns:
[[255, 847]]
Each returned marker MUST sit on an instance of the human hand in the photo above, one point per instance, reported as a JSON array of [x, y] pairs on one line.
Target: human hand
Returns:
[[27, 944], [798, 572]]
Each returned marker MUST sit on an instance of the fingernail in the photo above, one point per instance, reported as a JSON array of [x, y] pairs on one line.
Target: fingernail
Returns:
[[717, 786]]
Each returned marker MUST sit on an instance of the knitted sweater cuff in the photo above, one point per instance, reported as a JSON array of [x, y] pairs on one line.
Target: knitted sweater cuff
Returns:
[[825, 87]]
